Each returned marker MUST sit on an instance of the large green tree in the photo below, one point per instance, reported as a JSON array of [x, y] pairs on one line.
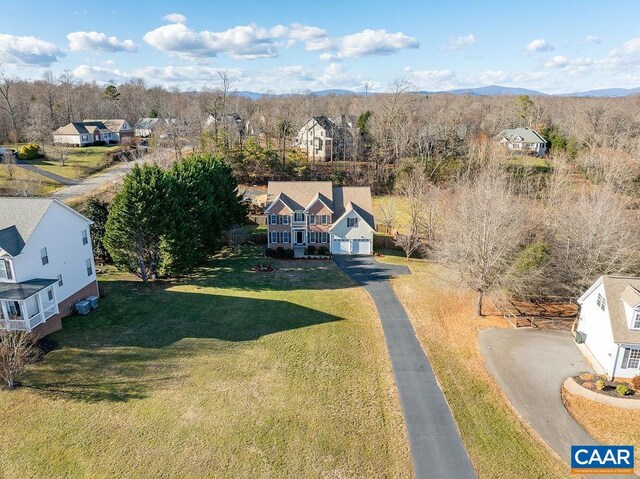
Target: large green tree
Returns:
[[137, 221]]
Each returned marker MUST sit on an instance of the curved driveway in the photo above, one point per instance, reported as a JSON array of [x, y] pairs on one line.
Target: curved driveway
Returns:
[[436, 446]]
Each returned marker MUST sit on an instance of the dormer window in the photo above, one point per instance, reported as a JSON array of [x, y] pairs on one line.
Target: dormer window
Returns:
[[601, 302], [636, 320], [5, 269], [298, 216]]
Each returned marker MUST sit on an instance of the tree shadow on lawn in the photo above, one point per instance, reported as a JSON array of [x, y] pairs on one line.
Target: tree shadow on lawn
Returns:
[[135, 342]]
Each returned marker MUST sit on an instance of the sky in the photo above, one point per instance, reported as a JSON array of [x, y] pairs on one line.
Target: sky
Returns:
[[285, 46]]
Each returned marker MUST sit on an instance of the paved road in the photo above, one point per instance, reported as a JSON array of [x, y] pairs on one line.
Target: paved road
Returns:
[[436, 446], [39, 171], [88, 185], [530, 365]]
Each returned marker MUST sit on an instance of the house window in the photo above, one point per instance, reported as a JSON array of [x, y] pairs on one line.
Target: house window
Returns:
[[5, 269], [324, 219], [312, 219], [50, 294], [85, 237], [285, 219], [636, 320], [274, 236], [44, 256], [351, 222], [286, 236], [601, 302], [634, 358], [298, 216], [313, 237], [273, 219], [89, 267], [60, 282], [324, 237]]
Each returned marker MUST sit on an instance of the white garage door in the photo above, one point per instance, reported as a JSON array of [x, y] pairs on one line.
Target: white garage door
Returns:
[[340, 246], [361, 246]]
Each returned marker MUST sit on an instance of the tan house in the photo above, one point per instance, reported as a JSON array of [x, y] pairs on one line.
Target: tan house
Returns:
[[304, 213]]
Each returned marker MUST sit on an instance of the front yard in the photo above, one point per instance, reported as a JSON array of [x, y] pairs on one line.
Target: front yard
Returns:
[[226, 374], [499, 445], [80, 163]]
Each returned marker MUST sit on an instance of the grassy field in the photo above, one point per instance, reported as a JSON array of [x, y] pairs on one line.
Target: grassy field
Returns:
[[80, 163], [607, 424], [499, 444], [25, 183], [227, 374]]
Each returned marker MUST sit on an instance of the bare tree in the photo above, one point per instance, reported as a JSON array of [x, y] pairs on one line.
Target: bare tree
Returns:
[[9, 161], [483, 231], [60, 153], [387, 213], [236, 236], [413, 188], [17, 350]]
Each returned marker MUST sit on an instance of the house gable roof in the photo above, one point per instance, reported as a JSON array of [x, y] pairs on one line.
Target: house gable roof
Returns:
[[526, 135], [19, 218], [285, 200], [115, 125], [299, 193], [322, 199], [360, 199], [617, 292], [74, 128], [631, 296], [355, 209]]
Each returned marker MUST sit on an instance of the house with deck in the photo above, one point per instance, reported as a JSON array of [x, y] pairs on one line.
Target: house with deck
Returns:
[[523, 141], [609, 324], [46, 263], [304, 213]]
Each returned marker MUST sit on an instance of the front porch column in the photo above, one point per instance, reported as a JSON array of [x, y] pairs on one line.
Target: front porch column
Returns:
[[25, 314], [39, 299]]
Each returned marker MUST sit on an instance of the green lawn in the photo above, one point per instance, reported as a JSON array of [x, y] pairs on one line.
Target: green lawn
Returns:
[[499, 443], [80, 163], [540, 165], [227, 374], [25, 183]]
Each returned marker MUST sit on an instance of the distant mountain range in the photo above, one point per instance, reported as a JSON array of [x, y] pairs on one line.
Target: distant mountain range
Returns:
[[491, 90]]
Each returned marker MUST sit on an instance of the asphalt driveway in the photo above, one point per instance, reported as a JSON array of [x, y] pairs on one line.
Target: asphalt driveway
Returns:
[[436, 447], [530, 365]]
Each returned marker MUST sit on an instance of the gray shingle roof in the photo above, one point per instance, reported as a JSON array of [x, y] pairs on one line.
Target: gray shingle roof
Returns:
[[360, 199], [527, 134], [24, 290], [616, 292], [19, 218]]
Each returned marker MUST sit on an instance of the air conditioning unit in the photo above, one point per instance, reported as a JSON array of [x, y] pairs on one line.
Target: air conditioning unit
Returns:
[[83, 307], [93, 301], [581, 337]]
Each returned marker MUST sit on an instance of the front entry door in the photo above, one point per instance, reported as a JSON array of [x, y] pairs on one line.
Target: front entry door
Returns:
[[299, 236]]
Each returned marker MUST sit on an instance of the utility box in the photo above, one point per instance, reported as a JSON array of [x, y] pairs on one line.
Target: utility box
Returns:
[[93, 301], [581, 337], [83, 307]]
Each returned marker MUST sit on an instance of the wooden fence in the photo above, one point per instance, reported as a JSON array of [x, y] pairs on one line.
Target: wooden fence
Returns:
[[384, 242], [260, 220]]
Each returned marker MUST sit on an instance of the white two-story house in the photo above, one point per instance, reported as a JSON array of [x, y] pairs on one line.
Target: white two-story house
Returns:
[[46, 263], [609, 324], [316, 213]]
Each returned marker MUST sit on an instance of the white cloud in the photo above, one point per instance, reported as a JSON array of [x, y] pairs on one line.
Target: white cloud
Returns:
[[372, 42], [27, 51], [456, 43], [630, 47], [432, 79], [305, 33], [557, 61], [245, 41], [540, 45], [592, 39], [97, 41], [175, 18]]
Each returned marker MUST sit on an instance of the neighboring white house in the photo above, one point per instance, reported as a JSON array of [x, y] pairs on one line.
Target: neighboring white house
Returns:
[[316, 213], [80, 133], [324, 138], [120, 128], [609, 324], [145, 127], [524, 140], [46, 263]]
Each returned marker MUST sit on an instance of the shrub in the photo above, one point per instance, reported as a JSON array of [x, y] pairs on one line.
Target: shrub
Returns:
[[279, 252], [623, 390], [311, 249], [288, 254], [636, 382], [30, 151], [98, 143], [601, 384], [323, 250], [269, 253]]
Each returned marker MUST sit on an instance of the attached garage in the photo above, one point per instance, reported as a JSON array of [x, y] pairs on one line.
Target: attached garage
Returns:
[[340, 246], [361, 246]]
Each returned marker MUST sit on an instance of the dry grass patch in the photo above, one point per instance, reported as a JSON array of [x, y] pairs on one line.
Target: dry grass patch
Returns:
[[606, 424], [25, 183], [499, 445]]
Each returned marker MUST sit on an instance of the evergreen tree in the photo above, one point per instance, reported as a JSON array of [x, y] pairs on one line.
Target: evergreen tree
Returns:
[[97, 210]]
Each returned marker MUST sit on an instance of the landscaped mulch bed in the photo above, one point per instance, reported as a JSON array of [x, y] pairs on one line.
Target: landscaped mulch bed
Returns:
[[588, 381], [263, 268]]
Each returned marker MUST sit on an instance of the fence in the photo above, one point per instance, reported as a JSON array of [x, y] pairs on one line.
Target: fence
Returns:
[[384, 242], [260, 220], [385, 230]]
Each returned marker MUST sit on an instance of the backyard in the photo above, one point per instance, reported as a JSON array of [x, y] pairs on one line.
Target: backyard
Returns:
[[499, 444], [80, 163], [227, 374]]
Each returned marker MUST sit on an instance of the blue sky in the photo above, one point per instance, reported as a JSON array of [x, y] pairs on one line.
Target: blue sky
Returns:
[[286, 46]]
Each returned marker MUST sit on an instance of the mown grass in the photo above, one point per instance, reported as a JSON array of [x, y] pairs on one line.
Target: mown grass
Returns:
[[80, 163], [499, 444], [226, 374], [25, 183]]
